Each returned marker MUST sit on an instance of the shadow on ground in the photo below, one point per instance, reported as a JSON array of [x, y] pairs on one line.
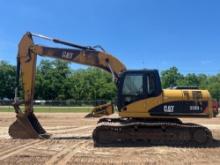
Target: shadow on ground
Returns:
[[72, 138], [215, 143]]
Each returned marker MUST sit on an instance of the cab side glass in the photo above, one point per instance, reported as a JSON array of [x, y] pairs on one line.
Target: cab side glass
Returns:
[[132, 89], [133, 85], [151, 85]]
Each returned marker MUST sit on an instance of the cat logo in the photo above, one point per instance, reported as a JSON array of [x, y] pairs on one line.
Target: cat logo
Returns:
[[168, 108], [67, 55]]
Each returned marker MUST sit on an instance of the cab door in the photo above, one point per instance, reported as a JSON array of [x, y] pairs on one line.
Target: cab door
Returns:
[[131, 88]]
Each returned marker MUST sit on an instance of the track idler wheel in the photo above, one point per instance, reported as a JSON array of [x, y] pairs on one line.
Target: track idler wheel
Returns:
[[27, 127], [202, 136]]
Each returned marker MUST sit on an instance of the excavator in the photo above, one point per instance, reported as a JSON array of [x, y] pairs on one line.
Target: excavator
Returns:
[[147, 113]]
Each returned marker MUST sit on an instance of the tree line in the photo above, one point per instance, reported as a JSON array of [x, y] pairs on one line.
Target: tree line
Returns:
[[55, 80]]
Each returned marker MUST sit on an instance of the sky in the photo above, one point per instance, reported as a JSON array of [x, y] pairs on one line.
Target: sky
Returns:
[[152, 34]]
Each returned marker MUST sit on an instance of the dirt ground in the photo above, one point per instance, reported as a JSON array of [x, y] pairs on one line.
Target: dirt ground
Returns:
[[72, 144]]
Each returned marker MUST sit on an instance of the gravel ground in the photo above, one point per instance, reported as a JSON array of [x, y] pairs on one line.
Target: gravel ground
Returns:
[[73, 145]]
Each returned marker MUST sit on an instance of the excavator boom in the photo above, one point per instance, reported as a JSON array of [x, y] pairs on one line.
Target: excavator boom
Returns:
[[27, 124]]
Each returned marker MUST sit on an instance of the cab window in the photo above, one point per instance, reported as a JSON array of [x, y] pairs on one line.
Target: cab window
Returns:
[[151, 86], [133, 85]]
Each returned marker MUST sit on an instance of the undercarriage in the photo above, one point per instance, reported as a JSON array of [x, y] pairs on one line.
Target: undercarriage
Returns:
[[171, 132]]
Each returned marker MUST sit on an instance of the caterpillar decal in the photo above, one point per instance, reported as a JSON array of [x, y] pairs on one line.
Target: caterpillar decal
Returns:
[[183, 108]]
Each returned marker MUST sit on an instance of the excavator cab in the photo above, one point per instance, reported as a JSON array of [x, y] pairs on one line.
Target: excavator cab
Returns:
[[137, 85]]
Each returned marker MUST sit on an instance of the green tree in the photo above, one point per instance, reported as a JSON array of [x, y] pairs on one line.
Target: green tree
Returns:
[[214, 86], [171, 77], [55, 80], [51, 80], [190, 79], [7, 80], [92, 83], [203, 81]]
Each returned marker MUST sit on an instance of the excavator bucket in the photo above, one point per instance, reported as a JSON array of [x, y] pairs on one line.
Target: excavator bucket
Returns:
[[101, 110], [27, 127]]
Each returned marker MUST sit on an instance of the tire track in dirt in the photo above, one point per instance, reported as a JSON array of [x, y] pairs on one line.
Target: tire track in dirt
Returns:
[[67, 157], [82, 133], [66, 154], [14, 150]]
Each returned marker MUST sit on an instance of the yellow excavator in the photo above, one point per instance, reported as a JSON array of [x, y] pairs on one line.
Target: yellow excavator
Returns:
[[147, 112]]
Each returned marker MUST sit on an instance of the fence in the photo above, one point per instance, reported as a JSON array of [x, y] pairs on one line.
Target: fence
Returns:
[[53, 105], [60, 102]]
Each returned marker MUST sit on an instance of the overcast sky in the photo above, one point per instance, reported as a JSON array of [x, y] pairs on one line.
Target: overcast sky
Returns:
[[141, 33]]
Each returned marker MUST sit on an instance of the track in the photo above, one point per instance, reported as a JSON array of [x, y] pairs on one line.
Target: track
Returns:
[[169, 132]]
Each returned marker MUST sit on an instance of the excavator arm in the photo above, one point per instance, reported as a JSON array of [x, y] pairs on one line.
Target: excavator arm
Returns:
[[27, 125]]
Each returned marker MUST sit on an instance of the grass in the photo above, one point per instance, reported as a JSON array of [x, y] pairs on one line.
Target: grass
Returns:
[[50, 109]]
